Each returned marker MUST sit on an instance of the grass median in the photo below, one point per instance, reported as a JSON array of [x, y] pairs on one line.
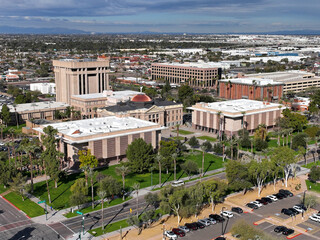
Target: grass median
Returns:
[[27, 206], [109, 228]]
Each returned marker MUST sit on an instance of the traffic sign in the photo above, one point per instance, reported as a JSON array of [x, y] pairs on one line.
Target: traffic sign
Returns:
[[80, 213], [42, 201], [130, 210]]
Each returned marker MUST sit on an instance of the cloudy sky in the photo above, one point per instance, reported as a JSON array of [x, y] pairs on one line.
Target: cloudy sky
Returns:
[[197, 16]]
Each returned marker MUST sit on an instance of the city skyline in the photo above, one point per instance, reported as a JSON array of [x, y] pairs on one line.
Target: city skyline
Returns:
[[217, 16]]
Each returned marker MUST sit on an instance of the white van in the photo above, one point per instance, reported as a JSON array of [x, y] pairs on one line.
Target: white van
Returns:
[[177, 183]]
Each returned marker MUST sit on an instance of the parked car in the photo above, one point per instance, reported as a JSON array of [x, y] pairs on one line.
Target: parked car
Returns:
[[204, 222], [279, 229], [192, 226], [252, 205], [302, 206], [273, 198], [184, 228], [212, 221], [267, 199], [286, 192], [298, 208], [216, 217], [170, 235], [227, 214], [288, 231], [257, 203], [294, 211], [315, 218], [177, 183], [263, 202], [279, 196], [287, 212], [282, 194], [178, 232], [220, 238], [200, 225], [237, 210]]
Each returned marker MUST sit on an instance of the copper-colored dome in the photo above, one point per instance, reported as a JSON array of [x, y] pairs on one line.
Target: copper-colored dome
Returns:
[[141, 98]]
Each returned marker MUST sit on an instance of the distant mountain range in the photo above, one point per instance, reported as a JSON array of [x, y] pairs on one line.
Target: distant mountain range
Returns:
[[30, 30]]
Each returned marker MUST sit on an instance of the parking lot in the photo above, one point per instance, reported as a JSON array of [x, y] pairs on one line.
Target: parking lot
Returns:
[[262, 217]]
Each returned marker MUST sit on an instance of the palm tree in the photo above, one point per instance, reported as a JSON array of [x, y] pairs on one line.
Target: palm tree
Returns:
[[47, 183], [254, 83], [15, 111], [102, 195], [122, 171], [174, 157], [243, 122], [219, 122], [136, 188], [2, 126], [91, 175], [30, 149], [158, 159]]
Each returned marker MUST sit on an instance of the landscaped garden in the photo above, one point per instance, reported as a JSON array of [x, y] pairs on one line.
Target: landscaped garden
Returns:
[[207, 138], [183, 132]]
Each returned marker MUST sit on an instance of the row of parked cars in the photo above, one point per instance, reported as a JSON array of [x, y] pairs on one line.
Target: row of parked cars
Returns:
[[269, 199], [285, 231], [202, 223]]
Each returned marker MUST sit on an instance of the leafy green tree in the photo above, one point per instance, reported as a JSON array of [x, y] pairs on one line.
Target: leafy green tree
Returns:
[[247, 231], [152, 199], [260, 144], [5, 114], [299, 140], [296, 121], [151, 92], [111, 186], [215, 191], [189, 167], [259, 171], [18, 184], [184, 92], [309, 200], [7, 172], [314, 174], [167, 148], [237, 175], [147, 216], [196, 195], [140, 155], [284, 157], [87, 161], [193, 142]]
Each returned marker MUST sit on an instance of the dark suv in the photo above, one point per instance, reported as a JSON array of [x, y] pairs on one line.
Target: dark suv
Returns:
[[287, 212], [237, 210], [269, 200], [286, 192], [288, 231], [216, 217], [192, 226], [279, 229], [200, 225]]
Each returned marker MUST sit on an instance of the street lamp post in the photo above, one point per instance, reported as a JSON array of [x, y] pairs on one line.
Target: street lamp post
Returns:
[[304, 196], [83, 225]]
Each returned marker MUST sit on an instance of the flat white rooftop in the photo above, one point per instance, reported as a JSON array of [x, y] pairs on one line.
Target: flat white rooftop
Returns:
[[111, 94], [284, 76], [195, 64], [251, 81], [38, 106], [94, 126]]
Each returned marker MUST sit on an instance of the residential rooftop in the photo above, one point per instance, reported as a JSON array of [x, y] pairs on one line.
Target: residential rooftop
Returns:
[[36, 106], [95, 126], [252, 81]]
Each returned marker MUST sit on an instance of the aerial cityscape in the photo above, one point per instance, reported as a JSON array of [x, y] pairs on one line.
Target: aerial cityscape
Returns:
[[160, 120]]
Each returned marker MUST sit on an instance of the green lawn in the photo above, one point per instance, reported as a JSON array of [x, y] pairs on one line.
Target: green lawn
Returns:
[[178, 138], [314, 186], [310, 165], [183, 132], [2, 188], [109, 228], [207, 138], [97, 207], [60, 196], [29, 207], [17, 130]]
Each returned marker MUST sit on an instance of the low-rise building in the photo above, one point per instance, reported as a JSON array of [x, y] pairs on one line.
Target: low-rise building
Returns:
[[36, 110], [88, 104], [250, 88], [165, 113], [300, 104], [231, 116], [107, 138], [294, 81], [44, 88]]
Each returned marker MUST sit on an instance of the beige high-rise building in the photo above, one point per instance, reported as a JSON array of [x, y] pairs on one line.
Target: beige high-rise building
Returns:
[[80, 76]]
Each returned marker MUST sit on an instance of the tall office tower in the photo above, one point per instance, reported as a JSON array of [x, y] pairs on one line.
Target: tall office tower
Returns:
[[80, 76]]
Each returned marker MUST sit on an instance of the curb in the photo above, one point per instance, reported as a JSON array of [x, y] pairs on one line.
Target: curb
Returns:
[[294, 236], [15, 206]]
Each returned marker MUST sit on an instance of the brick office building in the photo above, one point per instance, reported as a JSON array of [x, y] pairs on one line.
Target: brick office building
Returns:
[[198, 75], [107, 137], [251, 88], [231, 116]]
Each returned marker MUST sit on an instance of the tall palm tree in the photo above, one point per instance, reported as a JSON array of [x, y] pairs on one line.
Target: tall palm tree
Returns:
[[243, 122], [47, 183], [122, 171], [158, 159], [174, 157], [102, 194], [15, 111], [219, 122], [31, 149], [2, 126], [91, 175], [136, 188]]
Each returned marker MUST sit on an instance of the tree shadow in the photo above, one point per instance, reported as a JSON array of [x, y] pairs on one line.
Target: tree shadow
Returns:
[[211, 162], [167, 179], [23, 234]]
